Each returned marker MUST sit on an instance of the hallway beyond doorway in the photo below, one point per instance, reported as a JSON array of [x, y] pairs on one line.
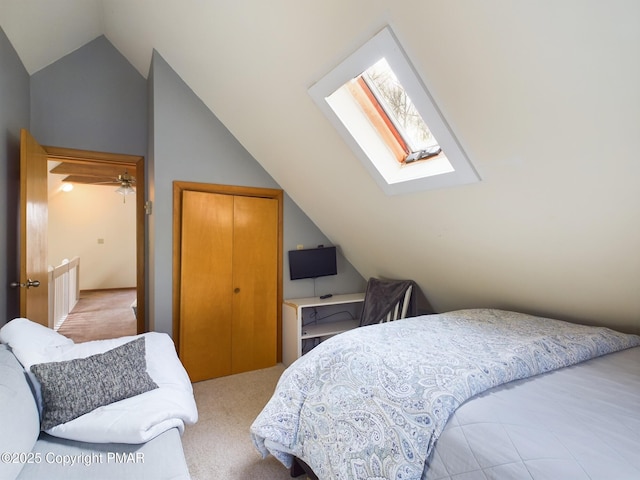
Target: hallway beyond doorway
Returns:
[[101, 314]]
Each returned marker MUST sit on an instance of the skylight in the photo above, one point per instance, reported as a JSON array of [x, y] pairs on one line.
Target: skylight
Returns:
[[384, 112], [397, 105]]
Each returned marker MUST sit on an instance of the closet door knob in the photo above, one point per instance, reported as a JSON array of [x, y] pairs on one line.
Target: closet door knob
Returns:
[[236, 290]]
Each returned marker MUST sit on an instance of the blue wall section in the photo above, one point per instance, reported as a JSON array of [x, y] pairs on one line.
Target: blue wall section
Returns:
[[91, 99], [14, 115]]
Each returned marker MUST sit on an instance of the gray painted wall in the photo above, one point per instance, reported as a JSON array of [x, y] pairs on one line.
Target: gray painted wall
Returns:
[[191, 144], [14, 115], [91, 99]]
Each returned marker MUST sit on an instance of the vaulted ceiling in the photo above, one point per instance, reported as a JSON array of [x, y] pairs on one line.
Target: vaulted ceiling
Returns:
[[543, 96]]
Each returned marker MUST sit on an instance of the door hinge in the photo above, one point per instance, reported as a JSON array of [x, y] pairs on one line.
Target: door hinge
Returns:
[[148, 207]]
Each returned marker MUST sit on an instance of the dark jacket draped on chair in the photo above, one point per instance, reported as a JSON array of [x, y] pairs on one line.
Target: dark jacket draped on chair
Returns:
[[381, 297]]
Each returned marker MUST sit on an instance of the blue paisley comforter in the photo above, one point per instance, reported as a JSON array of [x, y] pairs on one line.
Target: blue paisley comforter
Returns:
[[370, 403]]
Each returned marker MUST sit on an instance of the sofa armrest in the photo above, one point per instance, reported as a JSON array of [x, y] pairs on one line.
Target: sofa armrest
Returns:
[[18, 415], [161, 458]]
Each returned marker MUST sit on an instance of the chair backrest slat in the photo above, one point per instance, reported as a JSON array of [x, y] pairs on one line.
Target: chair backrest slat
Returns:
[[399, 311]]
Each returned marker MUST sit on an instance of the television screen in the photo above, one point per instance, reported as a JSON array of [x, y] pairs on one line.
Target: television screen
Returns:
[[312, 262]]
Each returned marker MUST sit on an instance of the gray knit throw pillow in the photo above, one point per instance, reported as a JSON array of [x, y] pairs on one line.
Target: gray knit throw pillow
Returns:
[[74, 387]]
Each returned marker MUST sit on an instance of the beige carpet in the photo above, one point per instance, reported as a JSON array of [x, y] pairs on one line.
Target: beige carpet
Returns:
[[219, 446]]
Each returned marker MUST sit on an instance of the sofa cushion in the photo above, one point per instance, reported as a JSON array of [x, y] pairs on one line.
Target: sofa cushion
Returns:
[[18, 414], [74, 387]]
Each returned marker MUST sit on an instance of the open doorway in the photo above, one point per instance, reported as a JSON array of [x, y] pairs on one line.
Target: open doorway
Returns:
[[105, 304]]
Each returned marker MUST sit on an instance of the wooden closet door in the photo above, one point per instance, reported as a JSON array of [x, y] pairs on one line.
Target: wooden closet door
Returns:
[[206, 284], [255, 273], [230, 282]]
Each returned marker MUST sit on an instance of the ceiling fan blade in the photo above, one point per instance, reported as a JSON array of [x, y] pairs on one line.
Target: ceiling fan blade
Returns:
[[91, 180], [91, 170]]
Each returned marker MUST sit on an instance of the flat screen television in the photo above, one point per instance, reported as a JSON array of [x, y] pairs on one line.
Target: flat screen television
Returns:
[[312, 262]]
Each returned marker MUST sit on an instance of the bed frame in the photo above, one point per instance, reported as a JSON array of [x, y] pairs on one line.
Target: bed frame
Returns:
[[300, 468]]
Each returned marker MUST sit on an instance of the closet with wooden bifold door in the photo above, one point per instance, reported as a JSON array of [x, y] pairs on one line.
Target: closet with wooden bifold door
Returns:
[[227, 278]]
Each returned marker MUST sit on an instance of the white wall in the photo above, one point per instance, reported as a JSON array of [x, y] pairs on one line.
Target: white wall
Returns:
[[78, 219], [542, 95]]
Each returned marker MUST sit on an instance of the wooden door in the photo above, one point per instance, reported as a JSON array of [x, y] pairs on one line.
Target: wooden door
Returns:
[[34, 300], [206, 279], [254, 328], [228, 272]]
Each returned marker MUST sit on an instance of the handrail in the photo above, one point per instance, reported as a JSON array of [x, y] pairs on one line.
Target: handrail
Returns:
[[64, 290]]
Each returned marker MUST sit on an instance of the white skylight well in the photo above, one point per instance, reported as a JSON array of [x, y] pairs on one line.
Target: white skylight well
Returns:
[[384, 112]]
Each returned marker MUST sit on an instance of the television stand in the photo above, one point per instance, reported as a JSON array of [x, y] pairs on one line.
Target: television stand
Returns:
[[293, 314]]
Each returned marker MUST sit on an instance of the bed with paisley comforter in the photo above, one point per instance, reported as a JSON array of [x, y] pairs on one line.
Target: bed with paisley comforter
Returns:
[[470, 394]]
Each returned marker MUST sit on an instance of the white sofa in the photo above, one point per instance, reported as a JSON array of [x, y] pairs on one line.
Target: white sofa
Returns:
[[135, 438]]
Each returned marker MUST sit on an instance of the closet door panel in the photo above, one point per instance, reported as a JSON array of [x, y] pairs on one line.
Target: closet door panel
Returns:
[[206, 284], [255, 274]]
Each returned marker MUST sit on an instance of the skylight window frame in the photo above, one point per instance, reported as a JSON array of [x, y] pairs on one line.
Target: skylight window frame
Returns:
[[391, 120], [376, 109], [384, 44], [379, 118]]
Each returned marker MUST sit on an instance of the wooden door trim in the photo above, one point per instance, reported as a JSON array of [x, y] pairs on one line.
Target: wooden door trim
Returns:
[[178, 188], [61, 154]]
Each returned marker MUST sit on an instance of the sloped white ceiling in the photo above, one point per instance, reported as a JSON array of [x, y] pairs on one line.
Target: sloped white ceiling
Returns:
[[543, 96], [43, 31]]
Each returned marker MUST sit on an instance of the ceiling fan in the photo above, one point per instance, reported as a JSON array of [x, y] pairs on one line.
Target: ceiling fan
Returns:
[[91, 174], [126, 182]]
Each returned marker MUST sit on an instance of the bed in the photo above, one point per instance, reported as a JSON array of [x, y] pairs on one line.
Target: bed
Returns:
[[470, 394]]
